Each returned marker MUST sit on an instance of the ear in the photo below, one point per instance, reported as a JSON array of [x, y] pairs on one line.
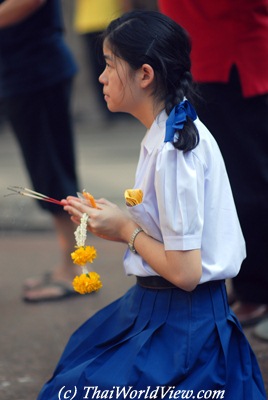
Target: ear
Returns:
[[146, 75]]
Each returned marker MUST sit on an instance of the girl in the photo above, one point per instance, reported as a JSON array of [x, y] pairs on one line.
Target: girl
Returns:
[[173, 331]]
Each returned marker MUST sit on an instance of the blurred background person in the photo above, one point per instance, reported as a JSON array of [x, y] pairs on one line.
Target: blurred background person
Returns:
[[230, 65], [36, 74], [91, 17]]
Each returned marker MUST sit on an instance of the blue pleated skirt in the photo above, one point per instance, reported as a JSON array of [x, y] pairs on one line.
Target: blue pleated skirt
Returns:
[[154, 343]]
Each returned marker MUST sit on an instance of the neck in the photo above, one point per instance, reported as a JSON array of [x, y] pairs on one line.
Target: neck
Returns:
[[146, 114]]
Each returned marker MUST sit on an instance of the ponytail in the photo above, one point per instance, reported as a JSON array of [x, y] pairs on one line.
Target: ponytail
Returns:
[[185, 137], [180, 128]]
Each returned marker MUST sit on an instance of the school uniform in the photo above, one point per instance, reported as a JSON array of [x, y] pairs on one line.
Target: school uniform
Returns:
[[158, 336]]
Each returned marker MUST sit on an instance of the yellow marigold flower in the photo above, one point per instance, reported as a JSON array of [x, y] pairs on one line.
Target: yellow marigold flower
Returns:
[[133, 197], [83, 255], [87, 283]]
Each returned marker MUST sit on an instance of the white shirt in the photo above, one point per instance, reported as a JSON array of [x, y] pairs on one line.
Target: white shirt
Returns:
[[187, 204]]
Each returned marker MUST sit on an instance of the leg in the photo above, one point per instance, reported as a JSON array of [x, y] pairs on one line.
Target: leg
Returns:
[[63, 273], [42, 125]]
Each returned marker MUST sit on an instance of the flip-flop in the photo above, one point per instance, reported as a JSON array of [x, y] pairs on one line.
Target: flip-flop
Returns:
[[41, 281], [65, 292]]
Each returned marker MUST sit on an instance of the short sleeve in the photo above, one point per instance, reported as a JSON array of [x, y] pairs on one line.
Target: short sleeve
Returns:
[[179, 185]]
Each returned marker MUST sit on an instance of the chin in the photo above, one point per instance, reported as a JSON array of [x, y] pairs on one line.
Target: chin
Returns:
[[113, 110]]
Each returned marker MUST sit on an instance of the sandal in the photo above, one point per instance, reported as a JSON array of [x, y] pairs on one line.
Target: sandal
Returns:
[[50, 291], [39, 281]]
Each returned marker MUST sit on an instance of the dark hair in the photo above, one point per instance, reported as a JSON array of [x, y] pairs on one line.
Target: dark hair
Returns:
[[149, 37]]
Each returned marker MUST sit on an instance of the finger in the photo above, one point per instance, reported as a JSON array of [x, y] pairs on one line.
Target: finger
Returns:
[[79, 205], [80, 200], [105, 202], [73, 211], [73, 198], [64, 201], [75, 220]]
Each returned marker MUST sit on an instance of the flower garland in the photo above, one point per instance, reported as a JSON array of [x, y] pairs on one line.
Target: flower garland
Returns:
[[87, 282]]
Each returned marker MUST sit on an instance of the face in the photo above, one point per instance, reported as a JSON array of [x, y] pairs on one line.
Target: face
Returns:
[[119, 87]]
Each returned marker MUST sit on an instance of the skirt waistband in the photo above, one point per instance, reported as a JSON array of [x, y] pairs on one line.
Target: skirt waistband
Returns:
[[158, 283], [154, 282]]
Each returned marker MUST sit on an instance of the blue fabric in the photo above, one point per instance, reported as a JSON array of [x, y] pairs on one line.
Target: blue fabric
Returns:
[[177, 118], [33, 54], [189, 340]]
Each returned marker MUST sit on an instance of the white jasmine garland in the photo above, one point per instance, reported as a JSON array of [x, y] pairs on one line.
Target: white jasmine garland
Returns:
[[81, 231]]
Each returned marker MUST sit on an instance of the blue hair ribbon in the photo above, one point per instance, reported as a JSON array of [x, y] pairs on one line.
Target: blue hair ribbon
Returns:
[[177, 119]]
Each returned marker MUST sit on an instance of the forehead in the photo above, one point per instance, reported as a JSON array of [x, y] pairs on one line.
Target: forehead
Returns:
[[118, 62], [107, 52]]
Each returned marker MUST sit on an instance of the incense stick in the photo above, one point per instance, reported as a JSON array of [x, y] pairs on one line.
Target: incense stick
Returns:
[[35, 195]]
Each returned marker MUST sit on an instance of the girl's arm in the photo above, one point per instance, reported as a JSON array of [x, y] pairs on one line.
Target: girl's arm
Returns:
[[182, 268], [15, 11]]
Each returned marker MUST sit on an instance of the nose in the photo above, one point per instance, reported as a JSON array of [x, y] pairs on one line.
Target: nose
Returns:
[[102, 78]]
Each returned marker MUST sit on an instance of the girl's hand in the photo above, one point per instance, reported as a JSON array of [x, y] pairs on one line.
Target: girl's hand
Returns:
[[107, 221]]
